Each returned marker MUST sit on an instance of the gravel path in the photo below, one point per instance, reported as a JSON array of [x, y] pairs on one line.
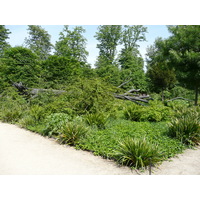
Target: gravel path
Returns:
[[25, 153]]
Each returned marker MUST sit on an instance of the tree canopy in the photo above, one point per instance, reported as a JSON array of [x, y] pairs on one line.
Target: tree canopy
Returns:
[[171, 62], [4, 35], [39, 41]]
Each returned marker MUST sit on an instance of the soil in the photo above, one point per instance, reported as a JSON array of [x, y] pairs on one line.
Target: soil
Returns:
[[26, 153]]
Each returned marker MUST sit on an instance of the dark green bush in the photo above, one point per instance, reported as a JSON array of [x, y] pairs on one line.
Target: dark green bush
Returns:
[[89, 96]]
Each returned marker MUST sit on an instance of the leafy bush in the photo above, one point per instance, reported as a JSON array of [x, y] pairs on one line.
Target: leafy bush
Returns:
[[71, 133], [137, 153], [54, 123], [186, 127], [155, 112], [98, 119], [12, 106], [12, 114], [89, 96], [26, 121], [178, 105], [133, 112], [37, 112]]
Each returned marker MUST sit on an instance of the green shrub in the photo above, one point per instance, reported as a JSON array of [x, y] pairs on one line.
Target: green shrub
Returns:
[[98, 119], [178, 105], [186, 127], [54, 123], [38, 113], [138, 153], [155, 112], [71, 133], [12, 114], [133, 112], [26, 121], [89, 96]]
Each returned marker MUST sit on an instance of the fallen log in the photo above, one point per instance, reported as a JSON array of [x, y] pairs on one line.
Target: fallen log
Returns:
[[129, 95], [131, 98], [33, 92]]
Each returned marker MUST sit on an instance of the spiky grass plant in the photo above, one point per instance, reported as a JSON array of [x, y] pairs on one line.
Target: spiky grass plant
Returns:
[[186, 127], [98, 119], [71, 133], [137, 153]]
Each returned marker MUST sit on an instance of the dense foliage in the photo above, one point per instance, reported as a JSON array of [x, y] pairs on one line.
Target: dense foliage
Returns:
[[85, 113]]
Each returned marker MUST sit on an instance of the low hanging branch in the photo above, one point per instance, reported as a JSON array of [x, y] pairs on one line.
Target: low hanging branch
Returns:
[[125, 83]]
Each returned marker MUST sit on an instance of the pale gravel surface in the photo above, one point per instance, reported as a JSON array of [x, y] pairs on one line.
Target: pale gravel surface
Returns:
[[26, 153]]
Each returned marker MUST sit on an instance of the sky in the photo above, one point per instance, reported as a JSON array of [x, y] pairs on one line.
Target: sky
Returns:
[[19, 33]]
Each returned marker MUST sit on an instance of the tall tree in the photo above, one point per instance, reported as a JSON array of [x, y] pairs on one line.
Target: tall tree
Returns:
[[130, 59], [39, 41], [72, 43], [109, 37], [4, 35], [184, 49], [160, 72]]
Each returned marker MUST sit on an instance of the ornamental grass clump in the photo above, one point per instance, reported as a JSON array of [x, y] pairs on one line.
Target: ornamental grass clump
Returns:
[[98, 119], [71, 133], [137, 153], [186, 127]]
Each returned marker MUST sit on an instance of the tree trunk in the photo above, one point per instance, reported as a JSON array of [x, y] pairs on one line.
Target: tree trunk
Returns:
[[196, 96], [163, 94]]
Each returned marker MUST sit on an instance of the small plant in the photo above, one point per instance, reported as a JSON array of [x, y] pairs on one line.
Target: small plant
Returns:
[[133, 112], [98, 119], [71, 133], [186, 127], [26, 121], [12, 114], [54, 123], [138, 153], [37, 113]]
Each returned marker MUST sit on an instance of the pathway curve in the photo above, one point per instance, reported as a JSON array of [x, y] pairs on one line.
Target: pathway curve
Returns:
[[26, 153]]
